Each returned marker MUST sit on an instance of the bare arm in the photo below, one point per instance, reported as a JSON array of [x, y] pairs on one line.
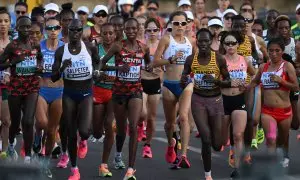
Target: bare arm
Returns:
[[186, 71], [163, 44], [256, 80], [56, 67], [86, 34], [292, 84], [250, 69], [116, 47], [226, 82]]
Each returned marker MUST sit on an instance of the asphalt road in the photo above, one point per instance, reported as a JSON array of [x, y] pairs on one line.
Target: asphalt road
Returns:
[[157, 169]]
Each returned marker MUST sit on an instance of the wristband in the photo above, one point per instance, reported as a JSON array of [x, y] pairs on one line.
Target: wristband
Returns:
[[170, 59]]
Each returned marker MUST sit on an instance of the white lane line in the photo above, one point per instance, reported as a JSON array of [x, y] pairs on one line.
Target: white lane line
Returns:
[[191, 148]]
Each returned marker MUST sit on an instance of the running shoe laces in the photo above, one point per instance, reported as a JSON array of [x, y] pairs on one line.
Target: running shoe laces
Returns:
[[82, 150], [75, 175], [64, 160], [119, 164], [147, 152], [130, 175], [184, 162], [260, 135], [170, 154], [254, 144], [103, 171]]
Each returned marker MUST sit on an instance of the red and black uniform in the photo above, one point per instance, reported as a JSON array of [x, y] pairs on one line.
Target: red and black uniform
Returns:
[[94, 35], [129, 84], [23, 82]]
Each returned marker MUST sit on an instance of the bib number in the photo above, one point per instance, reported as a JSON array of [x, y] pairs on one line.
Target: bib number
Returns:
[[26, 67], [202, 84], [266, 80], [132, 75]]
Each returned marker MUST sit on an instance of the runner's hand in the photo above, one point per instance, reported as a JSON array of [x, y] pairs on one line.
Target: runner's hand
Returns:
[[275, 78], [149, 68], [124, 68], [67, 63], [183, 81]]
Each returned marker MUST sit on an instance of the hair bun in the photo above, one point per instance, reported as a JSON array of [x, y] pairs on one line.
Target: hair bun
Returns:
[[2, 8], [67, 6]]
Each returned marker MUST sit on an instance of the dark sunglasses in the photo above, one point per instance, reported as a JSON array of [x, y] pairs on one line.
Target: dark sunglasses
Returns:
[[249, 20], [246, 10], [100, 15], [228, 17], [81, 13], [177, 23], [169, 29], [53, 28], [152, 30], [20, 12], [75, 29], [151, 9], [230, 43]]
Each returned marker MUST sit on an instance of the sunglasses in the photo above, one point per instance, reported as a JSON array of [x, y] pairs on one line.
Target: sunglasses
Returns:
[[81, 13], [75, 29], [151, 9], [100, 15], [228, 17], [152, 30], [249, 20], [230, 43], [178, 23], [169, 29], [246, 10], [53, 28], [20, 12]]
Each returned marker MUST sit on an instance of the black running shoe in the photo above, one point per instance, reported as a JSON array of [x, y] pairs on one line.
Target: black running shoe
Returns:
[[235, 174], [174, 165], [56, 152]]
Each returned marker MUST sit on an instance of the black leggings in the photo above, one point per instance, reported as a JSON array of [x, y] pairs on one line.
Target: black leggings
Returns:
[[26, 104], [78, 116]]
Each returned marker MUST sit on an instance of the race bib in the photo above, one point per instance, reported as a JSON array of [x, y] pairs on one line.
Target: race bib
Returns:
[[181, 61], [26, 67], [266, 80], [241, 75], [133, 74], [200, 83], [111, 75], [80, 70], [1, 75], [48, 62]]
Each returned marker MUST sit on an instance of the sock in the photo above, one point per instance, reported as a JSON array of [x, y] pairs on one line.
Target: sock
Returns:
[[119, 154], [207, 174]]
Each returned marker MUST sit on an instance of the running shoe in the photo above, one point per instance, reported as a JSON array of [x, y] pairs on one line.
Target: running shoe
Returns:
[[56, 151], [12, 154], [101, 140], [141, 134], [285, 162], [3, 155], [197, 135], [47, 172], [147, 152], [235, 174], [27, 160], [103, 171], [75, 175], [254, 144], [174, 165], [184, 162], [231, 161], [222, 149], [228, 142], [94, 140], [260, 135], [130, 175], [298, 137], [22, 151], [82, 150], [37, 144], [119, 164], [170, 155], [63, 161], [247, 159], [43, 151], [179, 144], [208, 178]]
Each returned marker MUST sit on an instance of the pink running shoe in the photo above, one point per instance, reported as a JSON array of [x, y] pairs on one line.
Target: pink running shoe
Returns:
[[184, 162], [75, 175], [147, 152], [170, 155], [298, 137], [141, 134], [43, 151], [22, 151], [82, 149], [63, 161]]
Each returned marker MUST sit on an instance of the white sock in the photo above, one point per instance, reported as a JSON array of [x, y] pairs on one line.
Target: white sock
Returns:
[[207, 174], [74, 167], [27, 158], [119, 154]]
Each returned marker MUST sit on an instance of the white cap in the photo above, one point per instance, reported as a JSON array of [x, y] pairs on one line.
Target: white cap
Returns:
[[184, 2], [215, 21], [298, 7], [122, 2], [83, 9], [228, 11], [51, 7], [100, 8], [189, 15]]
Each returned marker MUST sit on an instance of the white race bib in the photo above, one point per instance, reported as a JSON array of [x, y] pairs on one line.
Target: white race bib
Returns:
[[48, 62], [133, 74], [27, 67], [201, 84], [80, 70], [242, 75], [266, 80]]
